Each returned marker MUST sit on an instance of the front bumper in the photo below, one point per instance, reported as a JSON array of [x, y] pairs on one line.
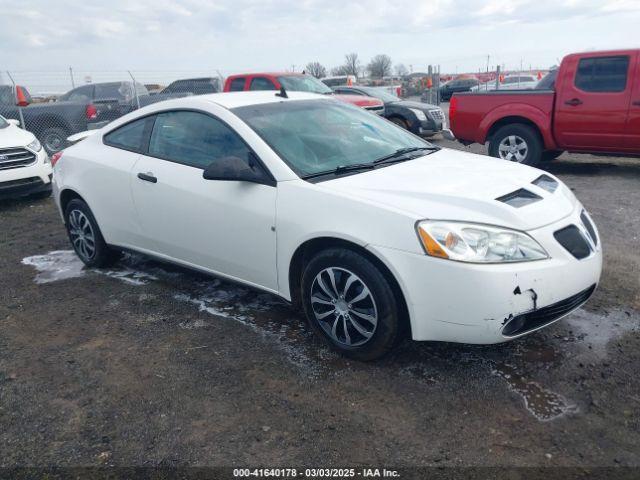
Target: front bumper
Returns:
[[471, 303], [35, 178]]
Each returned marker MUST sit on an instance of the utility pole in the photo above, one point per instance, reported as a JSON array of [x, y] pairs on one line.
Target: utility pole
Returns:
[[488, 57], [73, 84]]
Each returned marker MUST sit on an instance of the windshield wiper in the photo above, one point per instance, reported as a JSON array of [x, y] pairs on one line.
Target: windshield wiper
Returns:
[[400, 154], [342, 169]]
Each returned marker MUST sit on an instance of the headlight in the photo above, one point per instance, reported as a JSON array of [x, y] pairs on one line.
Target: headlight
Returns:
[[419, 113], [468, 242], [35, 145]]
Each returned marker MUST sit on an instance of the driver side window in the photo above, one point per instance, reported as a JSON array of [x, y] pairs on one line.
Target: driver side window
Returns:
[[194, 139]]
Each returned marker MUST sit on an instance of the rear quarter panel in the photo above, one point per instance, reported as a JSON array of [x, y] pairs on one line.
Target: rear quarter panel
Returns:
[[476, 113]]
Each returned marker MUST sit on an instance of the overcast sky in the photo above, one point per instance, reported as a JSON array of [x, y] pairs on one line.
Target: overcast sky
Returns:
[[234, 35]]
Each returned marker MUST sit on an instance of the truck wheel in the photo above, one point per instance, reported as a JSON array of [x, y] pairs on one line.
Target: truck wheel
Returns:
[[517, 143], [350, 304], [54, 139], [551, 155]]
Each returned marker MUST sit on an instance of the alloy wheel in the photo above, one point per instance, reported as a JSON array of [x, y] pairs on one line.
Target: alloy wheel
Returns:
[[344, 306], [82, 235], [513, 148]]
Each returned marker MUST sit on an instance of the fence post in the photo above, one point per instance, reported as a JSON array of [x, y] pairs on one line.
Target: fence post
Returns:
[[15, 98], [73, 83], [135, 89], [498, 77]]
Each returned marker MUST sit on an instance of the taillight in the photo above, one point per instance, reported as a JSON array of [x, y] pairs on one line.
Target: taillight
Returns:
[[399, 91], [91, 112], [55, 157], [453, 108]]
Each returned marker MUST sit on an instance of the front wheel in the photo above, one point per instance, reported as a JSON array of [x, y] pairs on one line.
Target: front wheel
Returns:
[[517, 143], [350, 304], [85, 236]]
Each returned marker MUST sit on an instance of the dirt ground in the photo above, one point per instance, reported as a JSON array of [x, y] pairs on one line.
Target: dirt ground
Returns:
[[150, 365]]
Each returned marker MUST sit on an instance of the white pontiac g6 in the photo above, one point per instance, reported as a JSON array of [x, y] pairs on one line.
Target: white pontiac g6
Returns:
[[373, 232]]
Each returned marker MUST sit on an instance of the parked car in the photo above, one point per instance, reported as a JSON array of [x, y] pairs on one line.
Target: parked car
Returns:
[[296, 82], [510, 82], [370, 229], [456, 86], [195, 86], [593, 107], [339, 80], [24, 165], [114, 99], [51, 123], [419, 118]]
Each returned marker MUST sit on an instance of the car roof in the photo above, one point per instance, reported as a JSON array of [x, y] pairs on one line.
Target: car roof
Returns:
[[242, 99]]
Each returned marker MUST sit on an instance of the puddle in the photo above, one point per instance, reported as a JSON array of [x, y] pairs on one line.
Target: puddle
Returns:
[[596, 331], [543, 404]]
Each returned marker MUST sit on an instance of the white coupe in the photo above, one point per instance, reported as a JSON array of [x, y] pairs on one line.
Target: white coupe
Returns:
[[374, 232]]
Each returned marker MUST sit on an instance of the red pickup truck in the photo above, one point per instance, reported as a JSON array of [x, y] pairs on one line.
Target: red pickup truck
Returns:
[[296, 82], [590, 104]]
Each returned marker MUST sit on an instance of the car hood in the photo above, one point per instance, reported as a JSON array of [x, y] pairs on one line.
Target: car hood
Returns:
[[418, 105], [453, 185], [359, 100], [13, 136]]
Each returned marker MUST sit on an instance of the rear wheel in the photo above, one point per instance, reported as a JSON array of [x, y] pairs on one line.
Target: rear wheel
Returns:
[[517, 143], [350, 304], [54, 139], [85, 236]]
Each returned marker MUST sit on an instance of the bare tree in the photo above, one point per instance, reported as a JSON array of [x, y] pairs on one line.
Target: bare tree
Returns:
[[352, 64], [401, 70], [380, 66], [316, 69], [339, 71]]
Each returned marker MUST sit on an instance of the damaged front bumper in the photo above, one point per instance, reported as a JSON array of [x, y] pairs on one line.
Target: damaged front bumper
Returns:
[[492, 303]]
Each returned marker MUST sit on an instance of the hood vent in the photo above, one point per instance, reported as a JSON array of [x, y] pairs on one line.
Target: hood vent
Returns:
[[545, 182], [519, 198]]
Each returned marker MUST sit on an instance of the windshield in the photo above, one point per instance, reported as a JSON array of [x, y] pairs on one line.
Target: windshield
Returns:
[[314, 136], [3, 122], [303, 83], [383, 95]]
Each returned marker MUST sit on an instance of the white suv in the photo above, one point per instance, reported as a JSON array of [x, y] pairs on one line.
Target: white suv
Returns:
[[24, 165]]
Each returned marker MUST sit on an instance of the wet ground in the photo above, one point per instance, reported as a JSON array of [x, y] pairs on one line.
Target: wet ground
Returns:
[[147, 364]]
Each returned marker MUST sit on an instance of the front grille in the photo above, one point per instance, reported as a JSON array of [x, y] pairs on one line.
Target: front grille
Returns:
[[538, 318], [16, 158], [588, 224], [437, 114], [572, 239]]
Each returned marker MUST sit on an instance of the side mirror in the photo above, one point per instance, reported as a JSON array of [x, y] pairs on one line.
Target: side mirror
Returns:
[[13, 121], [236, 169], [21, 97]]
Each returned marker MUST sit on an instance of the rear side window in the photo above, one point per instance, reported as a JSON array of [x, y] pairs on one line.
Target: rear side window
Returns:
[[128, 137], [194, 139], [112, 91], [261, 83], [602, 74], [237, 85]]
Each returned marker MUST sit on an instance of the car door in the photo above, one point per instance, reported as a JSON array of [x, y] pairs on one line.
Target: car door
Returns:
[[633, 121], [592, 103], [225, 227]]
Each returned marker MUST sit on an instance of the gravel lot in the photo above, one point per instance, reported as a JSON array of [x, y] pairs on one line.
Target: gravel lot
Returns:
[[151, 365]]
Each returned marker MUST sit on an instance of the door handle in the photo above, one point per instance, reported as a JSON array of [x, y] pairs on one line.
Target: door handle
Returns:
[[147, 177], [574, 102]]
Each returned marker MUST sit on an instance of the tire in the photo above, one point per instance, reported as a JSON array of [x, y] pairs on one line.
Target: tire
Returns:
[[369, 295], [85, 236], [551, 155], [400, 122], [517, 142], [53, 139]]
